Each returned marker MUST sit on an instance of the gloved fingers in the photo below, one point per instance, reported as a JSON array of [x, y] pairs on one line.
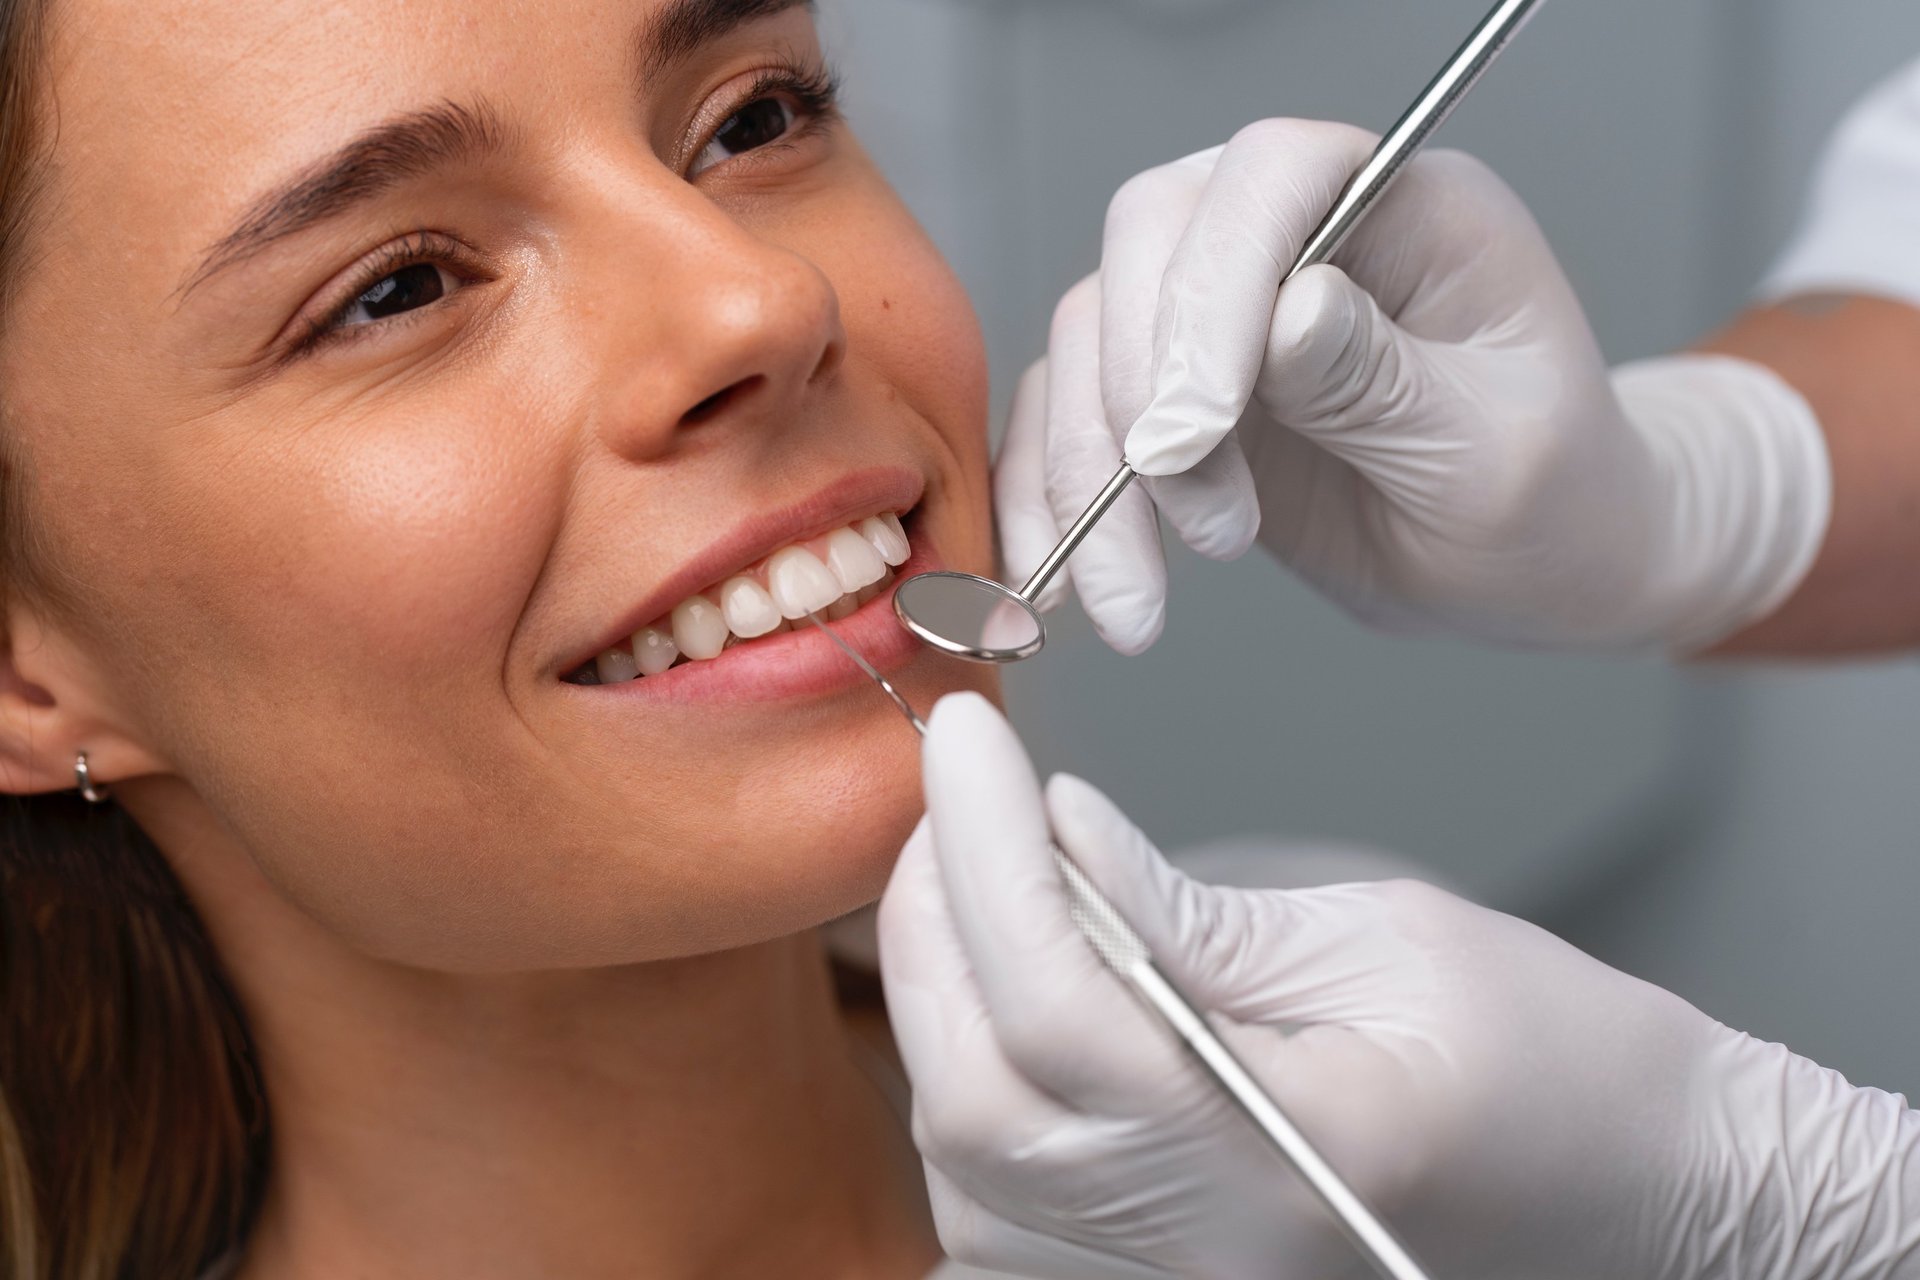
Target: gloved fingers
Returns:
[[971, 1107], [976, 1235], [933, 1002], [1343, 375], [998, 1152], [1214, 505], [967, 1097], [1063, 1020], [1022, 510], [1169, 911], [1314, 505], [1424, 253], [1120, 572], [1145, 221], [1270, 188], [1270, 957]]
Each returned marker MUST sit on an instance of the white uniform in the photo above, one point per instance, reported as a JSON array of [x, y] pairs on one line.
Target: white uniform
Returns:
[[1862, 230]]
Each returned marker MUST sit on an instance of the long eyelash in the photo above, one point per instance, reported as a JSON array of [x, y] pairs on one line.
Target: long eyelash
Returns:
[[421, 246], [815, 87]]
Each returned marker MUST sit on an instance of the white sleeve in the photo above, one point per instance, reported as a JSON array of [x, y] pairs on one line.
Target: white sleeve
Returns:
[[1861, 231]]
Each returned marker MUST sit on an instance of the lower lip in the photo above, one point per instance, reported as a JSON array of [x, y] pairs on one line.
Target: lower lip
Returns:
[[794, 664]]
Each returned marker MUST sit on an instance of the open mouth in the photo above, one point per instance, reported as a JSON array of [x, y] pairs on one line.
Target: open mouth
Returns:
[[832, 574]]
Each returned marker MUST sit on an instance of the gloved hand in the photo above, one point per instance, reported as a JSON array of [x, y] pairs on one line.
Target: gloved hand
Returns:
[[1513, 1107], [1425, 430]]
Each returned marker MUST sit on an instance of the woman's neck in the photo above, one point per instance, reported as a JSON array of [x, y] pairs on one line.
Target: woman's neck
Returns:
[[701, 1117]]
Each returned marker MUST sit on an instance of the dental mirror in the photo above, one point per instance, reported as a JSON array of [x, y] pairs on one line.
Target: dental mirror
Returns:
[[970, 617], [981, 620]]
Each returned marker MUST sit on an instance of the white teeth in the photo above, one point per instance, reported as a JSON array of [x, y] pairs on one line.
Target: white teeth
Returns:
[[699, 628], [616, 666], [832, 575], [654, 650], [800, 584], [854, 561], [886, 537], [749, 610]]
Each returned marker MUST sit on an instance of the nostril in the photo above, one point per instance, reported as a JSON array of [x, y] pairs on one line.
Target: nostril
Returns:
[[713, 404], [830, 360]]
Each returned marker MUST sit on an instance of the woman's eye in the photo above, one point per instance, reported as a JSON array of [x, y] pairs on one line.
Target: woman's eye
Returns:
[[760, 122], [407, 289]]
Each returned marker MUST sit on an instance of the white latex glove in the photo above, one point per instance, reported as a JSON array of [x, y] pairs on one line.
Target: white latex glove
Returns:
[[1425, 430], [1515, 1108]]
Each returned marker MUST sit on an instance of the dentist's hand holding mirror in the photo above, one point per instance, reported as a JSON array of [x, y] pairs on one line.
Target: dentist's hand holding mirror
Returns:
[[983, 621], [1424, 429]]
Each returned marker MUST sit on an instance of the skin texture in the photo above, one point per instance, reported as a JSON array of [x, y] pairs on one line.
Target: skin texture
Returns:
[[528, 965], [1854, 359]]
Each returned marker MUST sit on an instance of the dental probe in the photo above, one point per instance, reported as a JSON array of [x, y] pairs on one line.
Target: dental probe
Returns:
[[982, 620], [1125, 953]]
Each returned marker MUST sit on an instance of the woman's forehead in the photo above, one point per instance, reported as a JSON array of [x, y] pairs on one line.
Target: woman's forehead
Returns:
[[219, 80]]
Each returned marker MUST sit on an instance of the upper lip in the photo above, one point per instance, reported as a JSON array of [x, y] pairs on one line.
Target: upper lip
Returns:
[[850, 498]]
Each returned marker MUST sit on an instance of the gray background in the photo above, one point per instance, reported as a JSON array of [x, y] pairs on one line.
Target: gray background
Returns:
[[1750, 840]]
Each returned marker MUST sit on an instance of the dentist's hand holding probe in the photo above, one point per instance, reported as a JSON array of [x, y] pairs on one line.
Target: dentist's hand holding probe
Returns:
[[1425, 429], [1515, 1108]]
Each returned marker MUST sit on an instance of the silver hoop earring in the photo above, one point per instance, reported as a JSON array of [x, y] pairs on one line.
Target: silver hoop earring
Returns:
[[84, 780]]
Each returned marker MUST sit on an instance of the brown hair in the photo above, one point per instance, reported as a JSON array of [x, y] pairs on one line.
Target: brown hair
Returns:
[[132, 1131]]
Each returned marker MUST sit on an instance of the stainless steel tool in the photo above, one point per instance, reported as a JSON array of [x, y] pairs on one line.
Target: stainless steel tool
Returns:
[[982, 620], [1123, 951]]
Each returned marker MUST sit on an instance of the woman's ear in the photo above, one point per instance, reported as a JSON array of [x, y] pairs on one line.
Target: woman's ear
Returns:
[[53, 706]]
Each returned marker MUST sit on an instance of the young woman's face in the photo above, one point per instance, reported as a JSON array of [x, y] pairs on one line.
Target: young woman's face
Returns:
[[381, 364]]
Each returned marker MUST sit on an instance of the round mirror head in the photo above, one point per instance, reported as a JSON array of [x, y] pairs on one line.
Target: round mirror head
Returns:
[[970, 617]]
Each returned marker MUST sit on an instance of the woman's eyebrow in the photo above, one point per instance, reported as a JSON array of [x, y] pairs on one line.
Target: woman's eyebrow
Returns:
[[374, 162], [682, 26]]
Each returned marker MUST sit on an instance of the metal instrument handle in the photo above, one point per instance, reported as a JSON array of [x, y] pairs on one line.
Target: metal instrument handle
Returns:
[[1070, 543], [1410, 133]]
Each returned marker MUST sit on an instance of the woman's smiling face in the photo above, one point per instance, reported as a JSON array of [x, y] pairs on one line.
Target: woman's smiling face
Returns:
[[377, 363]]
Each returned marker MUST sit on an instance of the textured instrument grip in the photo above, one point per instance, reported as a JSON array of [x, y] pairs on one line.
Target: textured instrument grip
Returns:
[[1119, 946]]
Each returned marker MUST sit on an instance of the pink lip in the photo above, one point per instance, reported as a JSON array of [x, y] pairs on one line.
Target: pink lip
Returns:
[[792, 664], [850, 498]]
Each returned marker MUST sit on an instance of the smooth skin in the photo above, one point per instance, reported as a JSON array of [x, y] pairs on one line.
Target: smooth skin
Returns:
[[1854, 359], [528, 965]]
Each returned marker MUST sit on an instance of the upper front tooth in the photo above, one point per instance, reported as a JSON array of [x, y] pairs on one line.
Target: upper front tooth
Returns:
[[749, 610], [887, 537], [800, 583], [854, 561], [699, 628]]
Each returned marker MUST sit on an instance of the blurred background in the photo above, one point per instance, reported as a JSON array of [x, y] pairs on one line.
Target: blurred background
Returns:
[[1751, 840]]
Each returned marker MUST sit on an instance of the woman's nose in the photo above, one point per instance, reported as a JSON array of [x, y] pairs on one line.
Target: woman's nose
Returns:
[[726, 329]]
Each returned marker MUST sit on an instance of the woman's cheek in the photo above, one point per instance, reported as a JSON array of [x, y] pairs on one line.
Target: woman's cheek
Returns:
[[910, 320], [449, 514]]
